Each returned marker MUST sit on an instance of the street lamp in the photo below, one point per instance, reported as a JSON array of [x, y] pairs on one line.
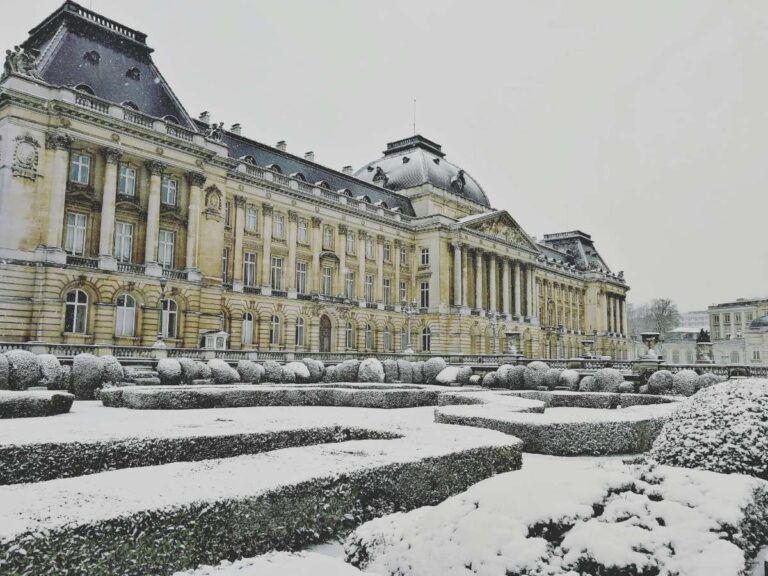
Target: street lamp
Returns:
[[159, 342], [409, 310]]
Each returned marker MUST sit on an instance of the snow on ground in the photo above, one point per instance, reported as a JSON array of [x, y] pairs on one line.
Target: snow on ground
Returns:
[[562, 415], [632, 518], [281, 564]]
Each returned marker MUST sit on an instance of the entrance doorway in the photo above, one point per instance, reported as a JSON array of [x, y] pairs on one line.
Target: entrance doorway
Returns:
[[325, 334]]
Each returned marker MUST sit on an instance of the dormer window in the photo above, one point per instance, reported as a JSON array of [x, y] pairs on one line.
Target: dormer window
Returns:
[[85, 89], [170, 119], [131, 105], [134, 73], [346, 192], [93, 57], [298, 176], [382, 204], [275, 168], [249, 159], [322, 184]]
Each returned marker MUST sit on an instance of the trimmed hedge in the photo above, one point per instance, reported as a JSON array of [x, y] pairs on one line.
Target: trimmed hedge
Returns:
[[533, 376], [51, 375], [169, 371], [28, 404], [111, 370], [5, 372], [23, 369], [86, 376]]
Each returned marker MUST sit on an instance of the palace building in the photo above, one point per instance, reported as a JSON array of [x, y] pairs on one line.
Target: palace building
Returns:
[[121, 215]]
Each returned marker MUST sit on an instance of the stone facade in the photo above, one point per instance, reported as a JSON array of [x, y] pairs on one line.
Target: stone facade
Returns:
[[110, 213], [739, 331]]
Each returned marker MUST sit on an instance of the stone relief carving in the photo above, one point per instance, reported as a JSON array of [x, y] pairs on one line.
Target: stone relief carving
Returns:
[[212, 199], [26, 157], [21, 61], [215, 132], [503, 231]]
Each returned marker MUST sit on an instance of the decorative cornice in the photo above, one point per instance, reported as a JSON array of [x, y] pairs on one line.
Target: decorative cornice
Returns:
[[380, 239], [112, 155], [155, 168], [196, 179], [239, 201], [293, 216], [362, 234], [268, 209], [342, 229], [398, 243], [316, 221], [58, 141]]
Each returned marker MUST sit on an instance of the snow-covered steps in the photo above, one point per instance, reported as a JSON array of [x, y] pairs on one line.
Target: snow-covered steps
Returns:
[[31, 403], [141, 375], [158, 519]]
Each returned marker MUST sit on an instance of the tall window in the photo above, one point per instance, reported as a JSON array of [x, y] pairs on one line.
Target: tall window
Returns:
[[170, 318], [369, 247], [225, 265], [350, 243], [277, 273], [74, 241], [126, 184], [368, 337], [349, 337], [251, 219], [76, 312], [299, 332], [249, 269], [404, 338], [387, 291], [274, 331], [165, 248], [123, 241], [227, 214], [368, 288], [403, 256], [247, 336], [403, 292], [301, 277], [387, 252], [80, 168], [426, 340], [303, 232], [328, 237], [168, 190], [425, 256], [278, 226], [327, 287], [349, 284], [387, 339], [424, 295], [125, 319]]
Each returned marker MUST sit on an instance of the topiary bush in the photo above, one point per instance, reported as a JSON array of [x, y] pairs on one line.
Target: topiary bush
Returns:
[[721, 428], [432, 368], [418, 372], [203, 371], [330, 375], [190, 370], [316, 369], [660, 382], [288, 376], [448, 376], [273, 372], [300, 372], [626, 387], [4, 372], [28, 404], [347, 371], [371, 370], [587, 384], [607, 380], [249, 372], [169, 371], [405, 371], [552, 378], [390, 370], [51, 375], [221, 372], [112, 371], [503, 376], [569, 379], [708, 379], [86, 376], [464, 376], [23, 369], [684, 383], [490, 380], [533, 376]]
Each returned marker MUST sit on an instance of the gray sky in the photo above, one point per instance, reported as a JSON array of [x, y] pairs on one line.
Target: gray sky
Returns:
[[644, 124]]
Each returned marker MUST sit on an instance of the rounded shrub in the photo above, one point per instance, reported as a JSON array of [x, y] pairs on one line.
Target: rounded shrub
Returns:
[[112, 370], [626, 387], [300, 371], [203, 371], [288, 376], [475, 380], [552, 378], [448, 376], [316, 369], [569, 379], [169, 371], [347, 371], [249, 372], [4, 372], [587, 384], [405, 371], [722, 428], [221, 372], [23, 369], [660, 382], [330, 374], [390, 370], [189, 370], [464, 376], [608, 380], [51, 375], [371, 370], [432, 368], [86, 376], [708, 379], [418, 372], [533, 376], [516, 378], [490, 380], [684, 383], [273, 372], [503, 376]]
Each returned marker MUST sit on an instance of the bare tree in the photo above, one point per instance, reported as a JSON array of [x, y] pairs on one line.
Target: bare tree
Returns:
[[663, 315]]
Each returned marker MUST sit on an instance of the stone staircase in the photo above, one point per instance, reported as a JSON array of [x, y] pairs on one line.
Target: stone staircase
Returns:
[[141, 375]]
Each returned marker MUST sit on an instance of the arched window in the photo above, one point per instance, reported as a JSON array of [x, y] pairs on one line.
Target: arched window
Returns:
[[426, 340], [346, 192], [274, 331], [85, 89], [275, 168], [171, 119], [170, 318], [387, 339], [349, 337], [131, 105], [76, 313], [298, 176], [247, 328], [368, 337], [322, 184], [125, 319], [299, 331], [367, 199]]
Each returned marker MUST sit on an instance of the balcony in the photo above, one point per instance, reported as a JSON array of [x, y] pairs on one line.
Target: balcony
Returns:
[[175, 274], [82, 261], [130, 268]]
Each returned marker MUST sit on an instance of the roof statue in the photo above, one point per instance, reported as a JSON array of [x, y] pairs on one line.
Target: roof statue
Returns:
[[21, 61]]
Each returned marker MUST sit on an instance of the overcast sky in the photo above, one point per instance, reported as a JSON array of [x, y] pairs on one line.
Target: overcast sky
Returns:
[[644, 124]]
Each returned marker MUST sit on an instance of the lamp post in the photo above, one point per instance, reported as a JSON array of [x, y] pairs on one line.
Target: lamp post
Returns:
[[409, 310], [159, 342]]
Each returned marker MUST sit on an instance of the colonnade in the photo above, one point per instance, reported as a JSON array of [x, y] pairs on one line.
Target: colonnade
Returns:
[[616, 313]]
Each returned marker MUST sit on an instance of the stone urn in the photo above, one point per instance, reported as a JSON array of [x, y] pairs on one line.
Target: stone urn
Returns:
[[704, 354], [650, 339], [589, 348], [513, 343]]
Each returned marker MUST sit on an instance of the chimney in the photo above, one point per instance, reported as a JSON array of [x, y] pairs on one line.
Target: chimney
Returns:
[[205, 117], [309, 156], [236, 129], [282, 146], [347, 169]]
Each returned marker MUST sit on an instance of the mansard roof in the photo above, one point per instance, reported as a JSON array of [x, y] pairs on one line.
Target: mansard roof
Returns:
[[79, 48], [574, 247]]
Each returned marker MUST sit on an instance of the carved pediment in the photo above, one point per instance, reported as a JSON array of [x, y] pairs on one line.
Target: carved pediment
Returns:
[[502, 227]]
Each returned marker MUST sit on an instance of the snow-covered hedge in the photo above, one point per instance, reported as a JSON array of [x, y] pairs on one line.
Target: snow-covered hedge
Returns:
[[203, 371], [316, 369], [464, 375], [279, 564], [607, 380], [30, 403], [249, 372], [169, 371], [569, 379], [708, 379], [112, 372], [405, 371], [347, 371], [660, 382], [51, 375], [390, 370], [721, 428], [221, 372], [490, 380], [552, 378], [299, 370], [86, 376], [273, 372], [23, 369], [371, 370], [533, 376], [684, 383], [448, 376], [418, 372], [4, 372], [432, 368]]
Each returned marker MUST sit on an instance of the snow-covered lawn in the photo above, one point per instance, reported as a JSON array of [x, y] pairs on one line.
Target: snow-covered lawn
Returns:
[[281, 564]]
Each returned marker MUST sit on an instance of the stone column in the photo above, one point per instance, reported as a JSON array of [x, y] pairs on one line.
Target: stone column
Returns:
[[156, 170], [624, 327], [609, 307], [196, 181], [290, 273], [266, 252], [317, 243], [518, 308], [108, 197], [59, 143], [505, 288], [465, 278], [396, 287], [456, 273], [341, 252], [493, 304], [529, 281], [361, 240], [479, 304], [237, 277], [379, 286]]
